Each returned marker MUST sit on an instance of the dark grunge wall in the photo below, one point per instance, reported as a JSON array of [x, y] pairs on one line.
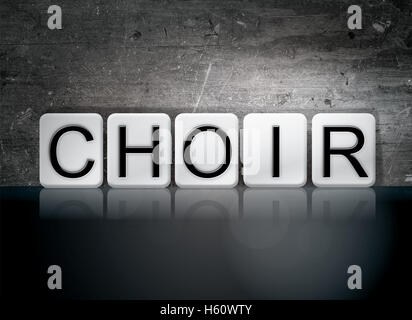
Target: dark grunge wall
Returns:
[[205, 56]]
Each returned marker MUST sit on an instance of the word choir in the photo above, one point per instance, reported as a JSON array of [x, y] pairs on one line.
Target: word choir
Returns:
[[206, 150]]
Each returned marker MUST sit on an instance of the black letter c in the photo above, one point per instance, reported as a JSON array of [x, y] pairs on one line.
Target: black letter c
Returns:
[[53, 152]]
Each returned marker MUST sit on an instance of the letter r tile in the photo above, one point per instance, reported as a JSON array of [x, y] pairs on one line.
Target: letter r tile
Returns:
[[343, 150]]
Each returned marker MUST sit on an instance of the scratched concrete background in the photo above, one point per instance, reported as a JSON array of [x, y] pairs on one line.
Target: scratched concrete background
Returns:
[[205, 56]]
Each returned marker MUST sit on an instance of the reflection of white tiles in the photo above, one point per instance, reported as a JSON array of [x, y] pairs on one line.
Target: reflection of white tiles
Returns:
[[71, 203], [207, 204], [267, 214], [150, 167], [275, 204], [259, 150], [74, 149], [136, 204], [197, 142], [342, 172], [343, 204]]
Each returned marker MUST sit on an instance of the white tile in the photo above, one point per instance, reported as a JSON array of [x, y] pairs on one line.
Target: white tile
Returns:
[[262, 165], [342, 173], [151, 167], [74, 154], [211, 151]]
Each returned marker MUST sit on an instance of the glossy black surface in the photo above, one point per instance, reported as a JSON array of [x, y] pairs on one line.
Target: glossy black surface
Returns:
[[205, 244]]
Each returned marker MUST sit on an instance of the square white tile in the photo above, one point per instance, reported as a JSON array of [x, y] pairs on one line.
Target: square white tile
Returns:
[[343, 150], [206, 150], [274, 150], [139, 147], [71, 150]]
